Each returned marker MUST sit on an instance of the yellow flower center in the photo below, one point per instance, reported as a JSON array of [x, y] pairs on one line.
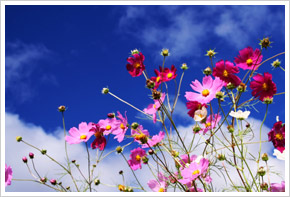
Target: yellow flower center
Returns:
[[137, 65], [225, 73], [154, 106], [98, 134], [157, 79], [265, 87], [208, 124], [249, 62], [122, 126], [169, 75], [140, 136], [82, 137], [161, 189], [108, 127], [138, 158], [279, 136], [205, 92], [195, 172], [121, 187]]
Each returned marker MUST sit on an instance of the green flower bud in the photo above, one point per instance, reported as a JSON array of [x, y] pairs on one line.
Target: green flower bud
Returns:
[[43, 151], [230, 128], [119, 149], [207, 71], [97, 181], [265, 157], [261, 171], [134, 125], [105, 90], [184, 66], [18, 138], [221, 157]]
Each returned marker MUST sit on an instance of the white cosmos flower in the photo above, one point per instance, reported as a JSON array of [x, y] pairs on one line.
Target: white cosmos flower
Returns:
[[279, 155], [200, 114], [240, 115]]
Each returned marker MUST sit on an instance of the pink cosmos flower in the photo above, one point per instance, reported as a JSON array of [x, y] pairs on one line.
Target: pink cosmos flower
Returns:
[[100, 141], [211, 122], [277, 136], [206, 91], [184, 160], [226, 71], [8, 175], [263, 87], [276, 187], [160, 185], [153, 108], [169, 74], [248, 58], [194, 170], [136, 158], [136, 66], [192, 188], [137, 133], [122, 127], [193, 106], [158, 79], [82, 134], [154, 140], [108, 125]]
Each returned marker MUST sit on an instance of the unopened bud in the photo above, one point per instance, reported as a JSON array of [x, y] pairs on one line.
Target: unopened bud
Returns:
[[121, 172], [73, 161], [230, 86], [53, 181], [248, 125], [242, 87], [43, 180], [151, 152], [105, 90], [220, 95], [165, 52], [134, 125], [265, 157], [31, 155], [184, 66], [221, 157], [265, 43], [196, 129], [156, 94], [210, 53], [264, 186], [97, 181], [111, 115], [261, 171], [145, 160], [150, 84], [230, 128], [24, 159], [43, 151], [207, 71], [135, 51], [18, 138], [276, 63], [130, 189], [67, 188], [119, 149], [268, 100], [61, 108], [94, 165], [121, 188]]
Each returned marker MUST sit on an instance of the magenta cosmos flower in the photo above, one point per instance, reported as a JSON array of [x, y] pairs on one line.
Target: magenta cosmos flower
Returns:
[[82, 134], [136, 66], [248, 58], [263, 87], [194, 170], [276, 187], [206, 90], [160, 185], [8, 175], [277, 136], [211, 122], [154, 140], [100, 141], [226, 71], [193, 106], [136, 158], [169, 74], [153, 108], [108, 125], [122, 127]]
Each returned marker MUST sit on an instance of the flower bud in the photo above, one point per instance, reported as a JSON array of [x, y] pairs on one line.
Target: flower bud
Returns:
[[119, 149], [219, 95], [121, 172], [143, 138], [264, 186], [111, 115], [61, 108], [207, 71], [265, 43], [184, 66], [53, 181], [134, 125], [221, 157], [150, 84], [43, 180], [268, 100], [18, 138], [265, 157], [94, 165], [105, 90], [156, 94], [24, 159], [130, 189], [97, 181], [151, 152], [230, 86], [261, 171], [60, 183], [174, 153], [67, 188], [77, 165], [210, 53], [31, 155], [276, 63], [135, 51], [145, 160], [121, 187], [196, 129], [230, 128], [73, 161], [242, 87], [248, 125], [165, 52], [43, 151]]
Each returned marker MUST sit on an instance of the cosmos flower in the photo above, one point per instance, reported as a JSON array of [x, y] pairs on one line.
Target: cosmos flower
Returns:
[[108, 125], [276, 187], [100, 141], [153, 108], [169, 74], [200, 114], [158, 79], [136, 158], [136, 66], [211, 122], [277, 136], [82, 134], [193, 106], [240, 114], [160, 185], [8, 175], [139, 133], [226, 71], [206, 91], [122, 127], [248, 58], [154, 140], [280, 155]]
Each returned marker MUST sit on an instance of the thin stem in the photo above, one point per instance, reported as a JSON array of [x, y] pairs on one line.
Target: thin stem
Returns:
[[65, 143], [177, 95], [260, 148], [38, 182], [35, 168], [89, 167]]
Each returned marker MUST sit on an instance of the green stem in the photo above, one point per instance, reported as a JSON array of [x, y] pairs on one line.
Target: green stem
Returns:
[[89, 167], [260, 147]]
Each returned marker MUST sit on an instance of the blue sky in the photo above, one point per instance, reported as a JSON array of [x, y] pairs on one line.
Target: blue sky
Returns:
[[65, 55]]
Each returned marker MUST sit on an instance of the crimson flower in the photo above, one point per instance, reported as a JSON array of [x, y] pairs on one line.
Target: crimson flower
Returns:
[[277, 136], [226, 71], [136, 66], [248, 58]]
